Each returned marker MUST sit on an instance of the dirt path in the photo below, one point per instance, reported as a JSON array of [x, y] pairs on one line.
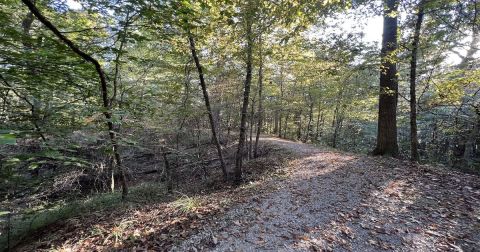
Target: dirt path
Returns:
[[346, 202]]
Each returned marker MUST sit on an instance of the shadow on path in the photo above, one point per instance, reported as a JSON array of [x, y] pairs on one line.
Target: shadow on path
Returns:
[[339, 201]]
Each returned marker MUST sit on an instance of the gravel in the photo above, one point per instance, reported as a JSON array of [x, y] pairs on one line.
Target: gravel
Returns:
[[335, 201]]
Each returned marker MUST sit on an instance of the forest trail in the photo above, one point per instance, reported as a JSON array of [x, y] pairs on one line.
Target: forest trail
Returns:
[[348, 202], [298, 197]]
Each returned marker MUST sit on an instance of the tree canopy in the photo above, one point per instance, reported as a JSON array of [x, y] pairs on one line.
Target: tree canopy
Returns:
[[89, 86]]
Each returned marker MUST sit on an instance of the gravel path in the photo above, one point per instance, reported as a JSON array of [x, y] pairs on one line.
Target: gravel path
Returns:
[[348, 202]]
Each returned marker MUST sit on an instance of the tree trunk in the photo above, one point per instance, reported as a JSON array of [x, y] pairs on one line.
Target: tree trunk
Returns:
[[309, 125], [337, 128], [285, 126], [252, 122], [168, 170], [27, 46], [280, 112], [275, 122], [229, 129], [319, 118], [103, 85], [122, 38], [298, 121], [246, 97], [280, 124], [115, 83], [387, 107], [337, 116], [207, 105], [217, 110], [413, 76], [260, 98]]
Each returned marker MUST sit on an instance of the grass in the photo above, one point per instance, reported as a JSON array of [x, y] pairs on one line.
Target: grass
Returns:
[[186, 204], [25, 225]]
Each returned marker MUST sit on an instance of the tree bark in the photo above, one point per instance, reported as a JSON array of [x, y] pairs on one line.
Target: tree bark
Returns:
[[285, 126], [103, 86], [229, 129], [336, 129], [27, 46], [413, 76], [246, 95], [337, 116], [280, 112], [252, 122], [207, 105], [168, 170], [308, 134], [387, 108], [115, 85], [260, 98], [275, 122], [280, 128], [122, 37], [319, 118], [298, 122]]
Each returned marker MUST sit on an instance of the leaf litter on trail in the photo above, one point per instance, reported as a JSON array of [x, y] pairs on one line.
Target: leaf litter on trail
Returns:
[[329, 201]]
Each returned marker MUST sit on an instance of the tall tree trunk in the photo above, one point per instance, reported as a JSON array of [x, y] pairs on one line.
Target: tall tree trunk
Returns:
[[260, 98], [334, 124], [103, 84], [28, 47], [298, 121], [280, 123], [319, 118], [413, 77], [246, 97], [122, 37], [337, 128], [387, 107], [280, 112], [229, 129], [308, 134], [217, 110], [252, 122], [285, 126], [275, 122], [113, 100], [207, 104], [337, 116]]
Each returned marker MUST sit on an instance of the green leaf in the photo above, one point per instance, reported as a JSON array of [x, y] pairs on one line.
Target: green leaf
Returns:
[[33, 166], [8, 139], [2, 213]]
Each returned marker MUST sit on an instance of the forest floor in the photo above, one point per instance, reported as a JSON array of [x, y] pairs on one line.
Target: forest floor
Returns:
[[315, 200]]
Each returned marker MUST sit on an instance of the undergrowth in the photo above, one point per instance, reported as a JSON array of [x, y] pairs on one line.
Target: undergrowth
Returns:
[[23, 226]]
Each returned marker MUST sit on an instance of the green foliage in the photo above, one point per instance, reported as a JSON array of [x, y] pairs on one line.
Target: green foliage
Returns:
[[21, 226], [453, 87], [320, 84], [7, 138]]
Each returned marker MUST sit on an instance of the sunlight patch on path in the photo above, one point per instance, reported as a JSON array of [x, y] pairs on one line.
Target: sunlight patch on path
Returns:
[[342, 202]]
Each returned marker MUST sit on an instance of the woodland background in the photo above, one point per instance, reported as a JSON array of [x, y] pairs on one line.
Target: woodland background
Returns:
[[112, 92]]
